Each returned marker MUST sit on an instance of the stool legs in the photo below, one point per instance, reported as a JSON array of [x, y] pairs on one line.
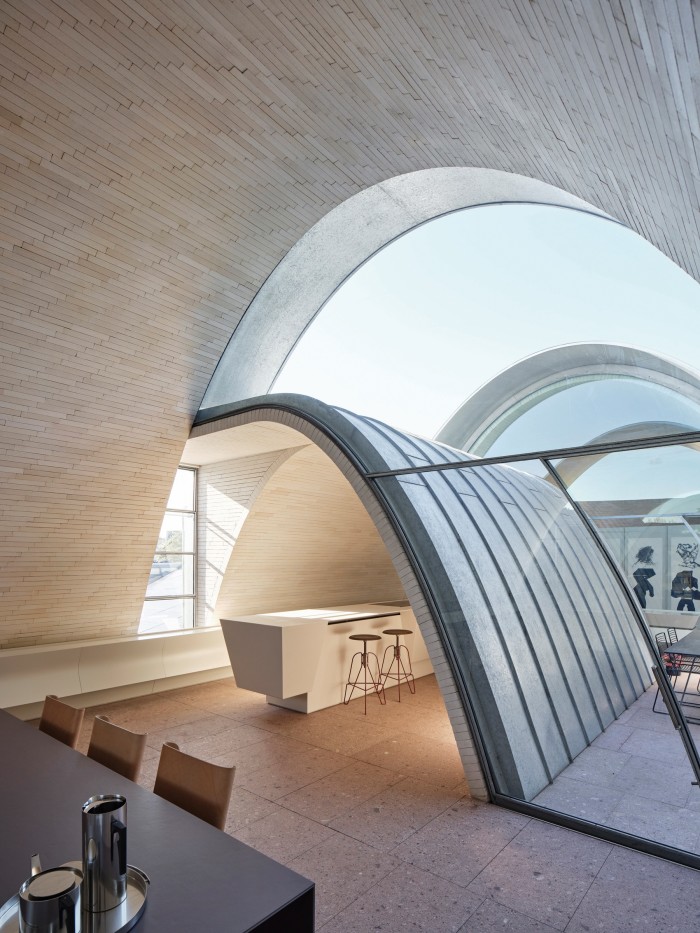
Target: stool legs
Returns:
[[403, 668], [369, 681]]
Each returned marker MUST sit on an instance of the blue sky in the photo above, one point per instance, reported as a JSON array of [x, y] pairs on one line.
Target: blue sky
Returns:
[[431, 317]]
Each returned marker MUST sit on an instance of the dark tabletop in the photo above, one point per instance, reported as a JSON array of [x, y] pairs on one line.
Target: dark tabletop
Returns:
[[689, 645], [201, 878]]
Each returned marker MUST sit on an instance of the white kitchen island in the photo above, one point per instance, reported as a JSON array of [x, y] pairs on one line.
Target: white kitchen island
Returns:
[[300, 659]]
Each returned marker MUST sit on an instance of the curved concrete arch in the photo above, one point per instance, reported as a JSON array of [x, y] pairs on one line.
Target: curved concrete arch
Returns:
[[571, 468], [326, 255], [480, 420], [535, 647]]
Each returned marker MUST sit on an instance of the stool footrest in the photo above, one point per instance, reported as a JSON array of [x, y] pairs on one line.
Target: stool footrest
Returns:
[[365, 680], [399, 667]]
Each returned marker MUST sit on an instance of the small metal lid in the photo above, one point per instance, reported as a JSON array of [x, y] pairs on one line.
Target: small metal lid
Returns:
[[51, 883], [104, 803]]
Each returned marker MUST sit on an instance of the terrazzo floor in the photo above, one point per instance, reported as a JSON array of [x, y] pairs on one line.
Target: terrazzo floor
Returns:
[[635, 777], [374, 810]]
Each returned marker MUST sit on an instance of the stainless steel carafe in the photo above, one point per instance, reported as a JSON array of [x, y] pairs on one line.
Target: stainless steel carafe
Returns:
[[49, 901], [104, 852]]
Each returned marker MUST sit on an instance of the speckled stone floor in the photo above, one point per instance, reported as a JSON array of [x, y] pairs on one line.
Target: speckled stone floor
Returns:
[[374, 809], [635, 777]]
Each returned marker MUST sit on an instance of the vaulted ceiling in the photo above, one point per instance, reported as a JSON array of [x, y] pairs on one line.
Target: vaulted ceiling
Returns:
[[160, 157]]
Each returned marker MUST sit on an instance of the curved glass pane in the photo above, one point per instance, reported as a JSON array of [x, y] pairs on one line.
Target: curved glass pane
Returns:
[[434, 323], [587, 409], [176, 533], [550, 646], [645, 507], [182, 493]]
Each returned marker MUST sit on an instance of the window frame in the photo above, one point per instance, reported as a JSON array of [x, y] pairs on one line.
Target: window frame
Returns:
[[190, 597]]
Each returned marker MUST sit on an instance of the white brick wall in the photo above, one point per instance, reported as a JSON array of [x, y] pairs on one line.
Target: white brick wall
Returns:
[[308, 541], [225, 493], [159, 159]]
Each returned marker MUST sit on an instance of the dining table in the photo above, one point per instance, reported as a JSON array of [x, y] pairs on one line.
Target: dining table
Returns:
[[200, 877]]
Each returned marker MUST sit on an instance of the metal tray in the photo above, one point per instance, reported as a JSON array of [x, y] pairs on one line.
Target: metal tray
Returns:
[[117, 920]]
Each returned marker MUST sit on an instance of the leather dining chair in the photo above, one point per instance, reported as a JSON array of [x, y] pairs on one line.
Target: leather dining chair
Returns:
[[202, 788], [117, 748], [61, 721]]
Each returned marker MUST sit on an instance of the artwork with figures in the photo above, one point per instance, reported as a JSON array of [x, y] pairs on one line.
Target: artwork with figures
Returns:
[[660, 563], [646, 564], [685, 584]]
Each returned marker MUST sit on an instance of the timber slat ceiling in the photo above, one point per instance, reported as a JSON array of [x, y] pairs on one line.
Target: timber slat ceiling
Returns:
[[160, 157]]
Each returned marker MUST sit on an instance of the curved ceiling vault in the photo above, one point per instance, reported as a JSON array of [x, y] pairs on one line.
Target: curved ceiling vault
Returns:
[[160, 159]]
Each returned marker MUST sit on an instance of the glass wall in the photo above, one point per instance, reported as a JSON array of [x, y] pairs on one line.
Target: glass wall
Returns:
[[555, 579], [575, 410], [170, 594]]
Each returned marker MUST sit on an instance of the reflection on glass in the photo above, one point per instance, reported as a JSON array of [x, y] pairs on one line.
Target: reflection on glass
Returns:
[[550, 648], [645, 508], [171, 575], [166, 615], [585, 409], [176, 533], [533, 468], [182, 493], [172, 570]]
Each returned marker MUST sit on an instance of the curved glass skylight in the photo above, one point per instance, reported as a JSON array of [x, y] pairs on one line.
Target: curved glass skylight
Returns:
[[590, 408], [441, 311]]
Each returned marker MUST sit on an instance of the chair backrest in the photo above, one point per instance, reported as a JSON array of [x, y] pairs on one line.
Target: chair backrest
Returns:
[[661, 641], [117, 748], [61, 721], [672, 636], [200, 787]]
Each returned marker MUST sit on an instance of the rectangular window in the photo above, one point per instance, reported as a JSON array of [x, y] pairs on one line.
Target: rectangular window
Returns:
[[170, 593]]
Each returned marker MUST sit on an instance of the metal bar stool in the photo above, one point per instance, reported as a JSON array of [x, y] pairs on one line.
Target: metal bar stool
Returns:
[[403, 670], [365, 685]]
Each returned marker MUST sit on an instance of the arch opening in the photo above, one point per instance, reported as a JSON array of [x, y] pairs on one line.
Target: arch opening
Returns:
[[326, 256]]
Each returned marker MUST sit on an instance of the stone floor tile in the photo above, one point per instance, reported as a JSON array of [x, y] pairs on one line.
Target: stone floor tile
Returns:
[[693, 801], [407, 899], [593, 802], [227, 742], [347, 737], [641, 718], [293, 772], [283, 835], [492, 917], [634, 893], [238, 704], [268, 753], [343, 869], [387, 819], [339, 791], [653, 819], [461, 841], [613, 737], [643, 743], [668, 782], [544, 872], [148, 773], [406, 716], [419, 755], [196, 729], [155, 720], [597, 766], [246, 808]]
